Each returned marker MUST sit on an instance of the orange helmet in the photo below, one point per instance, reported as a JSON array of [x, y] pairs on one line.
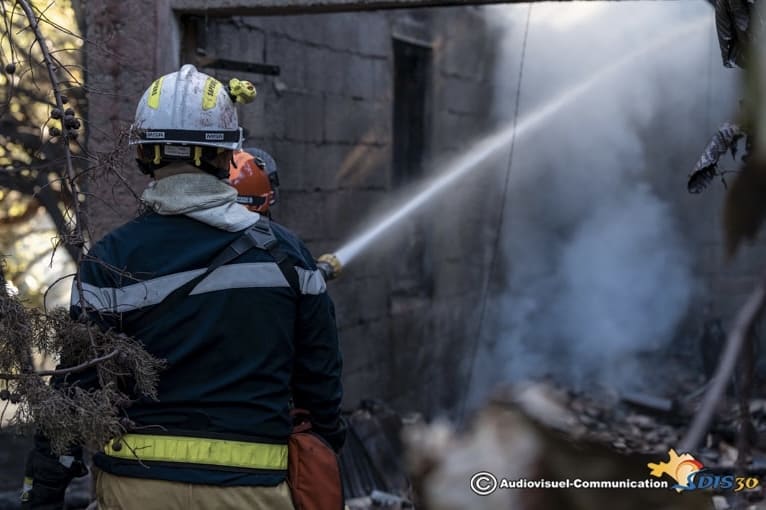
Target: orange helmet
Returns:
[[248, 174]]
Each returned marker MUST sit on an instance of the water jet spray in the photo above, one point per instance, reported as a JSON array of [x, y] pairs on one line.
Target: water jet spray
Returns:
[[481, 151]]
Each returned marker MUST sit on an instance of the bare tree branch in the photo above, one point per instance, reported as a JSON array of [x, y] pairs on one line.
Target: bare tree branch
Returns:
[[79, 239], [63, 371]]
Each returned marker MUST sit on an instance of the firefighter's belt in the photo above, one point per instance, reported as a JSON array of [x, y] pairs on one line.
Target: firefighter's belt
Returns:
[[197, 450]]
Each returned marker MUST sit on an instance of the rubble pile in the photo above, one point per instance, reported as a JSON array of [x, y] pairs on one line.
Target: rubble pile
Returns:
[[635, 423]]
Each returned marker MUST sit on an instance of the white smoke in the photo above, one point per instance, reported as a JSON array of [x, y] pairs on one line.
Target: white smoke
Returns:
[[596, 270], [625, 283]]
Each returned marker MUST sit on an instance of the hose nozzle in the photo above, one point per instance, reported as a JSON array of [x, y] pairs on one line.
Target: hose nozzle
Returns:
[[329, 265]]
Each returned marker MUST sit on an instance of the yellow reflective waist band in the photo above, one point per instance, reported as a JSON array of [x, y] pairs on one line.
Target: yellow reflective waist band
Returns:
[[198, 450]]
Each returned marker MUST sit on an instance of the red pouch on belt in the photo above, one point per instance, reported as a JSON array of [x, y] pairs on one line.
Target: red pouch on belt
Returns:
[[313, 470]]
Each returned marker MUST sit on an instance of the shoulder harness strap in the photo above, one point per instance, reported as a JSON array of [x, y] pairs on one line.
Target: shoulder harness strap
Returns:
[[258, 236], [261, 236]]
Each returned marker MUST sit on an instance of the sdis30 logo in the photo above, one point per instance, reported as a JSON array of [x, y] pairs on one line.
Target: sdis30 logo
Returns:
[[690, 474]]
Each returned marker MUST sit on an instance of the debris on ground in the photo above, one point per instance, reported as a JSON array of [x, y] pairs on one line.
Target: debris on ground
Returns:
[[372, 467], [543, 431]]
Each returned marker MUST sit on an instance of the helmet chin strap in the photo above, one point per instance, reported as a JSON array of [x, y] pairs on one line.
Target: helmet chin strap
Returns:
[[149, 166]]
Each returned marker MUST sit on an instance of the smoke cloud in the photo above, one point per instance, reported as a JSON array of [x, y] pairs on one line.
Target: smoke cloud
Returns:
[[597, 267]]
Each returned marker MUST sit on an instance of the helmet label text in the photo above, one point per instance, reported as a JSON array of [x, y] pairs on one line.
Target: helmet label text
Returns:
[[153, 101], [210, 93]]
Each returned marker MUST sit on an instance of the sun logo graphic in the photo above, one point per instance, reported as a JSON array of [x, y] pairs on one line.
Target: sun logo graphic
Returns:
[[690, 474], [681, 468]]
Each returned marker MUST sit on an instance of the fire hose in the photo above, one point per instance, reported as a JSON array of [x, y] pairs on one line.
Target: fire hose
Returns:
[[329, 265]]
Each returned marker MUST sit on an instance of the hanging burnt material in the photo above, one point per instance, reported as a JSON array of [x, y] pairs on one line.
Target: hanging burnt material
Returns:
[[732, 22], [744, 210], [726, 139]]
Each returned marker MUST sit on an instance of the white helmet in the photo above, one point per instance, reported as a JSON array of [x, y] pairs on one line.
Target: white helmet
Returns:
[[187, 107]]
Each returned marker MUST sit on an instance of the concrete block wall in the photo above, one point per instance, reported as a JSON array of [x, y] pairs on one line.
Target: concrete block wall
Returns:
[[123, 59], [462, 220]]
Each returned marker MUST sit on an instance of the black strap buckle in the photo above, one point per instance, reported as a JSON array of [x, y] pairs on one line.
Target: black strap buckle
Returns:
[[261, 235]]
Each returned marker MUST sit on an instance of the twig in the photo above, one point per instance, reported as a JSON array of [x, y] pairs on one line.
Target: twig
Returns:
[[64, 371], [52, 285], [743, 324]]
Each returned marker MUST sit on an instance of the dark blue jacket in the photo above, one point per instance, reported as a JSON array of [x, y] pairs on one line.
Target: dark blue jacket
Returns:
[[237, 348]]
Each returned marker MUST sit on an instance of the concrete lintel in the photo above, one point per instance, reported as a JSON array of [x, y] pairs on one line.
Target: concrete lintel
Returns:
[[270, 7]]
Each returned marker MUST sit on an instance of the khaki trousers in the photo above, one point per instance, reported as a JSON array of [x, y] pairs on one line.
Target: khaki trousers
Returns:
[[123, 493]]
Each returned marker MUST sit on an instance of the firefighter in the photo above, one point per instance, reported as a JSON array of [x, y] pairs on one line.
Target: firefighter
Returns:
[[238, 341], [253, 173]]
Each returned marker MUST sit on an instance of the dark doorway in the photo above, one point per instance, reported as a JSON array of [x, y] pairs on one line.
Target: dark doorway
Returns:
[[411, 78], [412, 68]]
